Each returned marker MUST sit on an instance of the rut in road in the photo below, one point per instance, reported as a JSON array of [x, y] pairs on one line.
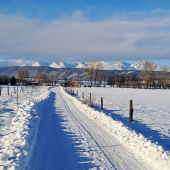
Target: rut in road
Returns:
[[53, 149], [114, 154]]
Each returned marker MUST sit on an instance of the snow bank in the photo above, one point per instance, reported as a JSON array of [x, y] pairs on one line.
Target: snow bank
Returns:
[[150, 153], [151, 109], [18, 137]]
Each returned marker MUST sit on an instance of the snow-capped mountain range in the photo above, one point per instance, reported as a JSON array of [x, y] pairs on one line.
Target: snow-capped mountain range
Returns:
[[106, 66], [121, 65]]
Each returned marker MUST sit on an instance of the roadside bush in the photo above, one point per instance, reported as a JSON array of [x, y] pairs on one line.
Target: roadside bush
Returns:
[[93, 102]]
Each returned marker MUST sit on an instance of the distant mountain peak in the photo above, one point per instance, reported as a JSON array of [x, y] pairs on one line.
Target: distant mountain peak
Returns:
[[119, 65], [137, 65], [80, 65], [54, 65], [36, 64]]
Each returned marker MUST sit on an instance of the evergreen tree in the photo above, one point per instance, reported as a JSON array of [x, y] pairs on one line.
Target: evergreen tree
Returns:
[[13, 81]]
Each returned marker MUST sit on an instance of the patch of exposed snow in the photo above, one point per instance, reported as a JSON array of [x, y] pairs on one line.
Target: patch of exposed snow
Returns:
[[54, 65], [80, 65], [36, 64], [137, 65]]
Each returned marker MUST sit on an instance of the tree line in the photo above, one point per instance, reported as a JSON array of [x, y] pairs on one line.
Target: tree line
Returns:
[[24, 78], [148, 77], [94, 72], [48, 79]]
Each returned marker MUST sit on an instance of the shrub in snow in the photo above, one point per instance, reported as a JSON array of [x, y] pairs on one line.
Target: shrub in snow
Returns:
[[91, 102]]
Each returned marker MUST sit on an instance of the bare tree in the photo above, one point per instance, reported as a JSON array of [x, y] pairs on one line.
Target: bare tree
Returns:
[[27, 74], [111, 80], [23, 75], [51, 77], [57, 78], [4, 79], [93, 70], [99, 79], [104, 78], [147, 72], [89, 70], [41, 77], [97, 72], [38, 76], [117, 83], [79, 78], [164, 77]]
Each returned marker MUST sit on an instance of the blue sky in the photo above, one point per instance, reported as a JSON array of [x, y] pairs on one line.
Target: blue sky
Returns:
[[86, 30], [94, 9]]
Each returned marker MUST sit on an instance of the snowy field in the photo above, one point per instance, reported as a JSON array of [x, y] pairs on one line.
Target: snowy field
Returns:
[[151, 113], [151, 109], [50, 129]]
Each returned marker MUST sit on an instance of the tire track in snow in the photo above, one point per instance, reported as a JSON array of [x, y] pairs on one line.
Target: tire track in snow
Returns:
[[83, 130], [115, 155], [52, 150]]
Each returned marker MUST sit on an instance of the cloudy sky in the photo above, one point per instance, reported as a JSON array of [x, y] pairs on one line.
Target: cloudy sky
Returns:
[[84, 30]]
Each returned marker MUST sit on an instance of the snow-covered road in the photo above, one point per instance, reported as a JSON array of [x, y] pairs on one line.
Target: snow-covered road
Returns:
[[51, 129], [68, 138], [52, 149]]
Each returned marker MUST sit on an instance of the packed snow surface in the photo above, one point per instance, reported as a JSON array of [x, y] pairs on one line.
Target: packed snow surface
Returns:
[[50, 129], [151, 106], [18, 123]]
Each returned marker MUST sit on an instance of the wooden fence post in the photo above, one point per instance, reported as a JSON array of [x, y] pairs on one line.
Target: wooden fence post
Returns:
[[83, 95], [90, 100], [131, 111], [8, 91], [101, 103], [14, 90], [0, 90], [17, 94]]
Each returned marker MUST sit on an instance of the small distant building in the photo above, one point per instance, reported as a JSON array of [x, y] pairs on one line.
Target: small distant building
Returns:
[[71, 84], [32, 83]]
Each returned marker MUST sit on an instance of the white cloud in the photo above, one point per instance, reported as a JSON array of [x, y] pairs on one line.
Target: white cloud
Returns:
[[77, 16], [75, 39], [160, 11], [15, 62]]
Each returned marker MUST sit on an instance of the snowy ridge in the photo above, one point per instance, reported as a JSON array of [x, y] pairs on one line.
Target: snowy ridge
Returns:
[[54, 65], [120, 65], [138, 65], [80, 65], [36, 64], [150, 153], [105, 65]]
